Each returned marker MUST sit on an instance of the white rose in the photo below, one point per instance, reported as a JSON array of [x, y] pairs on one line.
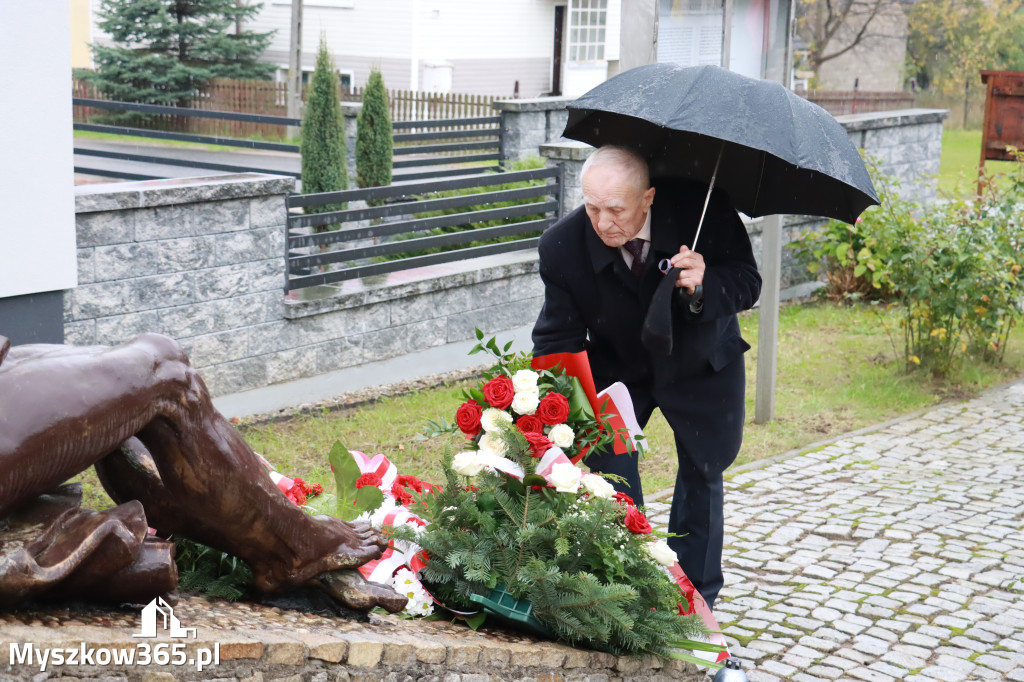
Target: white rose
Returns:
[[562, 435], [598, 486], [467, 463], [526, 402], [566, 477], [491, 445], [661, 552], [494, 419], [525, 380]]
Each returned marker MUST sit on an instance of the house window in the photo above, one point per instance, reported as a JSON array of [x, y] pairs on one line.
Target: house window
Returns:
[[587, 22]]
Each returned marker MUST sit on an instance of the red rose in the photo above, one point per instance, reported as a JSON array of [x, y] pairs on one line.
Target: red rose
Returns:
[[369, 478], [553, 409], [528, 423], [623, 498], [636, 522], [539, 443], [499, 392], [467, 417]]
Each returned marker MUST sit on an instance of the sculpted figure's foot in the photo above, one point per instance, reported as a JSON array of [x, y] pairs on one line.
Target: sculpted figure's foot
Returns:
[[354, 591]]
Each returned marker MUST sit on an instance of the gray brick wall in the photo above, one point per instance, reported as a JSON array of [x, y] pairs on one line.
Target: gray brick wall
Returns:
[[202, 260]]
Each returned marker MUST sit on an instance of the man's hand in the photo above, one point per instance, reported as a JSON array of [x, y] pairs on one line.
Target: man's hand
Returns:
[[692, 265]]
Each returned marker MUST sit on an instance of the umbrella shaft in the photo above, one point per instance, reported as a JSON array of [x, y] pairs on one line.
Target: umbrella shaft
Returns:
[[711, 186]]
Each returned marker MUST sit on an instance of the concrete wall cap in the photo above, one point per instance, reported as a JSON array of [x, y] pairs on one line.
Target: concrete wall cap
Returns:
[[570, 150], [117, 196], [532, 104], [892, 119]]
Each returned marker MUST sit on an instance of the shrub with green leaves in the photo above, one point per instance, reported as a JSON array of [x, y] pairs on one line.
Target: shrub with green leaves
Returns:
[[374, 137], [854, 259], [958, 278], [951, 272], [323, 134]]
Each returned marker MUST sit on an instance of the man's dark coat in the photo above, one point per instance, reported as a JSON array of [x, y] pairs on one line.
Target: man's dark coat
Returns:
[[593, 303]]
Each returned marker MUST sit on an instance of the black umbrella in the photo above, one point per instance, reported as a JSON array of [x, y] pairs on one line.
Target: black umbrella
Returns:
[[769, 149]]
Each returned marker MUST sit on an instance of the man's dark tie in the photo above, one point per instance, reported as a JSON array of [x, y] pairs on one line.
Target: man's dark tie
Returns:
[[635, 247]]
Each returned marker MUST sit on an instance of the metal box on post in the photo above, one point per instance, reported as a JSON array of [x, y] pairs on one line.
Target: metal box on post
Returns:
[[1004, 116]]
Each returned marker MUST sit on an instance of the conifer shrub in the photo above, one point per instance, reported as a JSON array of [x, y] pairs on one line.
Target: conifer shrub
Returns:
[[374, 136], [323, 134]]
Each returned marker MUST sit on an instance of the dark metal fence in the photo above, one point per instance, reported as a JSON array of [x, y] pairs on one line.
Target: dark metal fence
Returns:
[[423, 149], [420, 224], [446, 142]]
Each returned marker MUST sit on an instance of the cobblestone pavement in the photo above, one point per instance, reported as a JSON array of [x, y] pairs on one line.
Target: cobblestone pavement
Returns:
[[896, 554]]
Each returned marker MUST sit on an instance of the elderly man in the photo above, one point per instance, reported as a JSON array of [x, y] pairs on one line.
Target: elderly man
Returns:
[[599, 268]]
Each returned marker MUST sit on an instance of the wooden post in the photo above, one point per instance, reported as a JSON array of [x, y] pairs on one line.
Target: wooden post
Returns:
[[768, 318], [295, 67]]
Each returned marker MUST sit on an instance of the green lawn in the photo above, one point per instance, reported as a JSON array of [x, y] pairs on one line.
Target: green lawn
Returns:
[[958, 167], [837, 372]]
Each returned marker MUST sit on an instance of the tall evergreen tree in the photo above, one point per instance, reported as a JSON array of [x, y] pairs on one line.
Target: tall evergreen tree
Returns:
[[167, 49], [373, 138], [323, 133]]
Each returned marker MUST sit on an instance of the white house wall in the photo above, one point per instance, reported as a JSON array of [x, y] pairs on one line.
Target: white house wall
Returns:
[[369, 33], [489, 44], [38, 226]]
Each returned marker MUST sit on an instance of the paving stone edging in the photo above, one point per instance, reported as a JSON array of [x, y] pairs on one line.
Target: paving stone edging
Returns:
[[292, 646]]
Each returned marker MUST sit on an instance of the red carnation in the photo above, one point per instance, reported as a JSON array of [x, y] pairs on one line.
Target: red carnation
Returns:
[[467, 417], [317, 490], [369, 478], [539, 443], [399, 488], [499, 392], [623, 498], [636, 522], [528, 423], [553, 408], [302, 485], [296, 495]]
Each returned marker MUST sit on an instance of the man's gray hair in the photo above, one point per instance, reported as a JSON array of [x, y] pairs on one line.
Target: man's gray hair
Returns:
[[629, 160]]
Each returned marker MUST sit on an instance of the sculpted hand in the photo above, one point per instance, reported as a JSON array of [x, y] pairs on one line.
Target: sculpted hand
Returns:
[[692, 265]]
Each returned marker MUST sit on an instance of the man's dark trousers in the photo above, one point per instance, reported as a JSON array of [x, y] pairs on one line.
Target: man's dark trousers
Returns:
[[697, 503]]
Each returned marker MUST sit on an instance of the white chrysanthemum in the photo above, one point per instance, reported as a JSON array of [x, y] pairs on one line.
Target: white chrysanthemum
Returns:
[[598, 486], [562, 435], [661, 552], [525, 380], [566, 477], [467, 463], [408, 585], [491, 445], [526, 402], [494, 419]]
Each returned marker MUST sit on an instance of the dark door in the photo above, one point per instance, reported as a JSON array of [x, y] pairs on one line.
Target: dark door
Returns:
[[556, 63]]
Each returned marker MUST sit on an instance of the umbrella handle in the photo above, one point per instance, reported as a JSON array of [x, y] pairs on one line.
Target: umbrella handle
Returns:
[[711, 186]]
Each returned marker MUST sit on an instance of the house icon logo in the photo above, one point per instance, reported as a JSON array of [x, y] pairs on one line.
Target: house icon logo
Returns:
[[169, 620]]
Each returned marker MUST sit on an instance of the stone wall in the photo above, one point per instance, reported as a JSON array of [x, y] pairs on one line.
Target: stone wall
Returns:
[[202, 260]]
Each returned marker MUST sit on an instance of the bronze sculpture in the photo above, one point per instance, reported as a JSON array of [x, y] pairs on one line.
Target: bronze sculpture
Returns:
[[142, 415]]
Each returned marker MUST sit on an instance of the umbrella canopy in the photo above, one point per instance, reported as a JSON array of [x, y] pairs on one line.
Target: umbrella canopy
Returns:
[[775, 152]]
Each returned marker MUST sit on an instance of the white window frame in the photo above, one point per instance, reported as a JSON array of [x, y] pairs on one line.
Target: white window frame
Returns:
[[587, 26]]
